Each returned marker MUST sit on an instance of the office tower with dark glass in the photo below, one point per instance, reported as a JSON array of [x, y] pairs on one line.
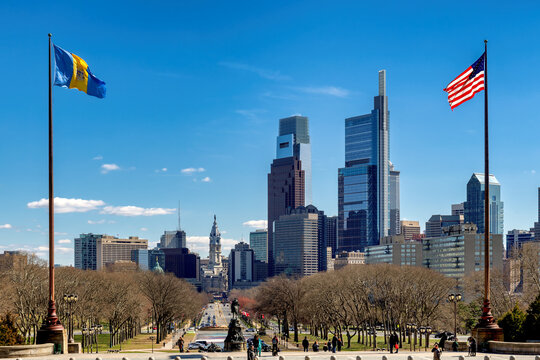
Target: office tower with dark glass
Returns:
[[474, 206], [287, 180], [363, 184], [395, 228]]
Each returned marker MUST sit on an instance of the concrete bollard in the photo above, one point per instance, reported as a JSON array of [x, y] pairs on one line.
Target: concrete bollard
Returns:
[[151, 358], [486, 357], [461, 357], [358, 358], [98, 358], [307, 358], [384, 357], [512, 357], [410, 357], [281, 358], [177, 358], [204, 358], [332, 357], [537, 357], [229, 357], [125, 358]]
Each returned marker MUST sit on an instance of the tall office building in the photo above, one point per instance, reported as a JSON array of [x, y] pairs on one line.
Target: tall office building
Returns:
[[241, 266], [458, 209], [395, 227], [173, 239], [85, 251], [258, 241], [331, 235], [296, 240], [409, 229], [363, 184], [436, 223], [474, 206], [293, 140], [287, 177]]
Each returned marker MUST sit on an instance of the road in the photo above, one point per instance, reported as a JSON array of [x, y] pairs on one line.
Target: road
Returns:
[[216, 315]]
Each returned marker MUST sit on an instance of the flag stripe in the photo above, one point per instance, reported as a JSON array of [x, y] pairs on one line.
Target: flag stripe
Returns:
[[466, 84], [456, 93]]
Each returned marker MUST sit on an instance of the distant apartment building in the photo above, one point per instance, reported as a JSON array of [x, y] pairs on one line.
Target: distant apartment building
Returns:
[[512, 275], [409, 229], [460, 252], [241, 267], [295, 243], [458, 209], [395, 225], [515, 240], [408, 253], [345, 258], [436, 223], [258, 241], [95, 251], [12, 260]]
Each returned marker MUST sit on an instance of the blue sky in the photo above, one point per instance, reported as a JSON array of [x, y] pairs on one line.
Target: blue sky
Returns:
[[201, 85]]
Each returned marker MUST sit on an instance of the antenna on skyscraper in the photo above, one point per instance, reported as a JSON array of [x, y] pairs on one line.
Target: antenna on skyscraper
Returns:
[[179, 227]]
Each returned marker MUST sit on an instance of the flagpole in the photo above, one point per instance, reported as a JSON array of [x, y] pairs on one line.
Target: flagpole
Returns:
[[52, 322], [487, 318]]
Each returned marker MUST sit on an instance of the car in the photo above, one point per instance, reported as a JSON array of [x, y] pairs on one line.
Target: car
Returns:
[[212, 348], [250, 330], [198, 345]]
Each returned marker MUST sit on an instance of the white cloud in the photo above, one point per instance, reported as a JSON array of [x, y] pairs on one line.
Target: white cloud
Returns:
[[99, 157], [94, 222], [6, 226], [144, 229], [135, 211], [42, 248], [63, 205], [63, 249], [64, 241], [105, 168], [264, 73], [256, 224], [206, 179], [325, 90], [190, 171]]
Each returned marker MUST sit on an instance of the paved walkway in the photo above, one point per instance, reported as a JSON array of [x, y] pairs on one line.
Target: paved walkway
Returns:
[[287, 355]]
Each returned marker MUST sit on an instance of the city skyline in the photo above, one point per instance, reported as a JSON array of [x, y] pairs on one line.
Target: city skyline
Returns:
[[193, 114]]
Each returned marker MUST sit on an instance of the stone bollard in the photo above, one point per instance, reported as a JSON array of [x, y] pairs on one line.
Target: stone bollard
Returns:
[[486, 357], [177, 358], [151, 358], [512, 357], [307, 358], [98, 358], [461, 357], [229, 357], [281, 358], [537, 357], [358, 358], [204, 358], [410, 357], [125, 358], [384, 357], [332, 357]]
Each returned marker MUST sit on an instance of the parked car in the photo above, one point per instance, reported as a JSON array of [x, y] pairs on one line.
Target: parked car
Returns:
[[212, 348], [197, 345], [250, 330]]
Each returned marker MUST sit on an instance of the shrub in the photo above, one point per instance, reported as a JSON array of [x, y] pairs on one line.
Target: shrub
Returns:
[[531, 326], [512, 324], [8, 332]]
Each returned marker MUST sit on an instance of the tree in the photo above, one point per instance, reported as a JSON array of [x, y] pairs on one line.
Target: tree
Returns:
[[531, 326], [512, 324], [9, 335]]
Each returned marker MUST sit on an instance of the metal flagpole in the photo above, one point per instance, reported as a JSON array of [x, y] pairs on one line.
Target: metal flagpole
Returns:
[[487, 318], [52, 322]]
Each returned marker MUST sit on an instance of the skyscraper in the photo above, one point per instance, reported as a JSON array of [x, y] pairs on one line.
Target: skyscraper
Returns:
[[458, 209], [436, 223], [241, 266], [296, 237], [258, 241], [173, 239], [394, 201], [331, 235], [363, 184], [287, 179], [474, 206]]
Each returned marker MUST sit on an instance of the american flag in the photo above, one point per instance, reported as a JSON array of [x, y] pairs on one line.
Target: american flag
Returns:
[[467, 84]]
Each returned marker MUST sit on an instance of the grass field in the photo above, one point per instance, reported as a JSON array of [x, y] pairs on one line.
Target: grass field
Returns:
[[139, 342]]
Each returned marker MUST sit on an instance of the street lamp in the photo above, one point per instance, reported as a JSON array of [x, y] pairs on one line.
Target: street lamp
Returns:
[[428, 332], [414, 327], [409, 329], [455, 298], [70, 300], [152, 341], [422, 330]]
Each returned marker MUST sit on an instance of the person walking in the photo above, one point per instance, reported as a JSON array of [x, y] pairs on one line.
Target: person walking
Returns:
[[455, 346], [436, 352], [274, 345], [305, 344], [442, 342], [334, 343], [472, 346], [180, 344], [394, 340]]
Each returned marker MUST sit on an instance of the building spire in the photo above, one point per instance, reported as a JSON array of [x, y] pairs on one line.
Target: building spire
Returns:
[[382, 82]]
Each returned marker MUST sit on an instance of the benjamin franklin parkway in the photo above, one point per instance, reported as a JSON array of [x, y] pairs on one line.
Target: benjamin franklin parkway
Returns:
[[247, 180]]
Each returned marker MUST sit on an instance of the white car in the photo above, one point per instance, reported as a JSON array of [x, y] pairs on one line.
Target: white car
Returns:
[[197, 345]]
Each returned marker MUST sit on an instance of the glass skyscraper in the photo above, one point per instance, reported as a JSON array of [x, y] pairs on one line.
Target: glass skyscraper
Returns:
[[474, 206], [363, 184]]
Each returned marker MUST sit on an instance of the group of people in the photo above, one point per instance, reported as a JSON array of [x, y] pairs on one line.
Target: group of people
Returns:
[[255, 347]]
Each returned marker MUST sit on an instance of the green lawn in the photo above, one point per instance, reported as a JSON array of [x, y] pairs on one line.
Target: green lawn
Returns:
[[141, 341]]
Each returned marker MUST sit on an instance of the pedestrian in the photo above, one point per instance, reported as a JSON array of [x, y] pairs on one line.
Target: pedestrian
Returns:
[[334, 343], [305, 344], [329, 345], [339, 344], [442, 342], [394, 340], [472, 346], [436, 352], [250, 352], [315, 346], [455, 346], [257, 344], [274, 345], [180, 344]]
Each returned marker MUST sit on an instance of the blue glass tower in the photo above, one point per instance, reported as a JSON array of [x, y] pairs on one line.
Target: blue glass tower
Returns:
[[474, 206], [363, 184]]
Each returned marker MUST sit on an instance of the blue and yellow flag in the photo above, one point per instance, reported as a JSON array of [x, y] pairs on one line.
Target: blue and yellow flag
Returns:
[[73, 72]]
